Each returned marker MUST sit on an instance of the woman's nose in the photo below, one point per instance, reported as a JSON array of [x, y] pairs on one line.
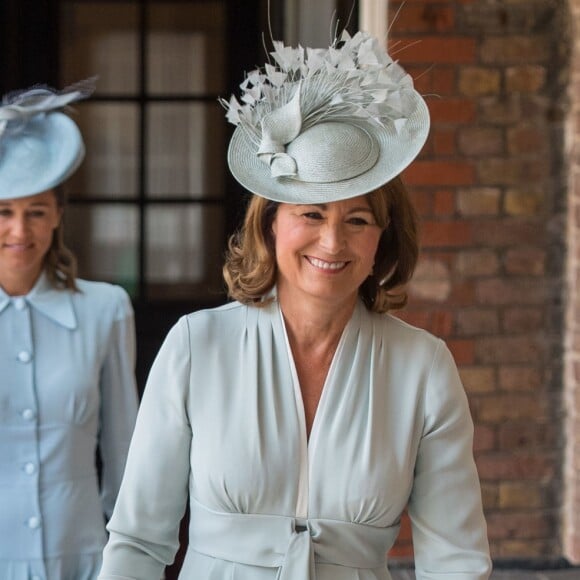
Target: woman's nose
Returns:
[[332, 237], [18, 226]]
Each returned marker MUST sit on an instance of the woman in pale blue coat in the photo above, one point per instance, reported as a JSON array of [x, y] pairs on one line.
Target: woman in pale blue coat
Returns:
[[67, 352], [301, 419]]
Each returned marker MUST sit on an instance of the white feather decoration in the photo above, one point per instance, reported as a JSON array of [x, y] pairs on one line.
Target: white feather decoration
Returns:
[[354, 77]]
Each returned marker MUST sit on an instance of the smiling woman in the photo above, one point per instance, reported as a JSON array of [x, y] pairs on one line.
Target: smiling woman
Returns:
[[27, 227], [66, 358], [302, 418]]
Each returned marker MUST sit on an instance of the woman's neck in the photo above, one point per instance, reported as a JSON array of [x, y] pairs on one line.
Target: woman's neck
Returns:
[[18, 285], [314, 324]]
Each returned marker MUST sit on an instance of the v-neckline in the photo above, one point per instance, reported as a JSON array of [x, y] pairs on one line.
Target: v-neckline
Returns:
[[308, 444]]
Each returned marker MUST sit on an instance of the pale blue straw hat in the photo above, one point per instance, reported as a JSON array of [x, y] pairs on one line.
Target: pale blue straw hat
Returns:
[[40, 146], [321, 125]]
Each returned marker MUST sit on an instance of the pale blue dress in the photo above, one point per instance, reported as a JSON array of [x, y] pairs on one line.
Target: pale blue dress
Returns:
[[222, 421], [66, 386]]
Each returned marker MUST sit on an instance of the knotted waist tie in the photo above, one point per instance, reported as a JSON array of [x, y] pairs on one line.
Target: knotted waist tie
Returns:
[[290, 544]]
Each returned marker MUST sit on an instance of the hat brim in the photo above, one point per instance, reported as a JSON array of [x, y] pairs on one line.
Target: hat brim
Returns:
[[39, 156], [396, 152]]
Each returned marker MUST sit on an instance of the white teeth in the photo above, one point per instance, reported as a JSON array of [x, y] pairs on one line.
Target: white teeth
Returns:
[[326, 265]]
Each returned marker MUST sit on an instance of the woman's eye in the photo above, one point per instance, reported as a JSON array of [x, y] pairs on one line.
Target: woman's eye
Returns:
[[358, 221], [5, 213], [313, 215], [37, 214]]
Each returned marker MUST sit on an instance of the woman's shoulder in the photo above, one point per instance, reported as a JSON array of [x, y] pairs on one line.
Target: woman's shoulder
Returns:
[[394, 325], [401, 336], [103, 297], [225, 317]]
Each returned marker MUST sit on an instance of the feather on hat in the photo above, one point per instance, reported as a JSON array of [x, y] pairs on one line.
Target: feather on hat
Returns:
[[322, 125]]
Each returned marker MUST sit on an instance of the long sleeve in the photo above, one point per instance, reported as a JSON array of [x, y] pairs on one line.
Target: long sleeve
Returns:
[[118, 400], [145, 523], [449, 530]]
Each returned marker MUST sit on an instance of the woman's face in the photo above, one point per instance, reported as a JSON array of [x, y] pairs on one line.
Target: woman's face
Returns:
[[327, 250], [26, 229]]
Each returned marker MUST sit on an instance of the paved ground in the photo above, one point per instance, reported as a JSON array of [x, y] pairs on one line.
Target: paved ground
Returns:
[[569, 574]]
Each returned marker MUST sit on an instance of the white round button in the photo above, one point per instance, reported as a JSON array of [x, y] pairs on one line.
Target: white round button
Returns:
[[29, 468], [28, 414], [24, 356], [33, 522], [19, 303]]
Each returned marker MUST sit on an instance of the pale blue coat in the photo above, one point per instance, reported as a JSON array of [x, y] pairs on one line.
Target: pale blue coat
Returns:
[[222, 419], [66, 386]]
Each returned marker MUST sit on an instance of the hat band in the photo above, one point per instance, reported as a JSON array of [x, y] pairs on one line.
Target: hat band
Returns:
[[331, 152]]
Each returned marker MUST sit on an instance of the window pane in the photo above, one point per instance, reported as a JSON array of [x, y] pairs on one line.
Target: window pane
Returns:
[[184, 250], [101, 38], [104, 239], [187, 46], [110, 167], [185, 152]]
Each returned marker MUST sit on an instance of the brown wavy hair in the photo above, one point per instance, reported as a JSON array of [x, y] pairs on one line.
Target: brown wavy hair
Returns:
[[250, 268], [60, 264]]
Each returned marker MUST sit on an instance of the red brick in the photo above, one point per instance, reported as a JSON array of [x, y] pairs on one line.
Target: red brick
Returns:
[[521, 466], [419, 318], [510, 407], [479, 81], [512, 171], [527, 139], [476, 263], [525, 79], [524, 202], [477, 322], [478, 201], [446, 49], [514, 495], [452, 110], [498, 50], [462, 294], [444, 202], [503, 291], [522, 525], [434, 79], [478, 380], [422, 201], [481, 141], [529, 549], [500, 111], [443, 142], [422, 17], [520, 378], [506, 349], [445, 234], [489, 495], [463, 351], [509, 232], [442, 323], [440, 172], [516, 320], [528, 435], [483, 438], [526, 261]]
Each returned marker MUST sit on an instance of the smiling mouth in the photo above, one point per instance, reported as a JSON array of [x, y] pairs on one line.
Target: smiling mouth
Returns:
[[328, 266], [18, 247]]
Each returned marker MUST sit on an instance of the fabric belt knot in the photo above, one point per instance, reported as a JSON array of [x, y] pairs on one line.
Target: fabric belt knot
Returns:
[[292, 545]]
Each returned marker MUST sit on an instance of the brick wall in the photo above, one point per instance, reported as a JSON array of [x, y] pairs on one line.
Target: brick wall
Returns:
[[571, 512], [490, 187]]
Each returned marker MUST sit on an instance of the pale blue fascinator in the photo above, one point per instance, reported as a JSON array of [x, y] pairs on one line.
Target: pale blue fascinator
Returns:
[[40, 146], [321, 125]]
